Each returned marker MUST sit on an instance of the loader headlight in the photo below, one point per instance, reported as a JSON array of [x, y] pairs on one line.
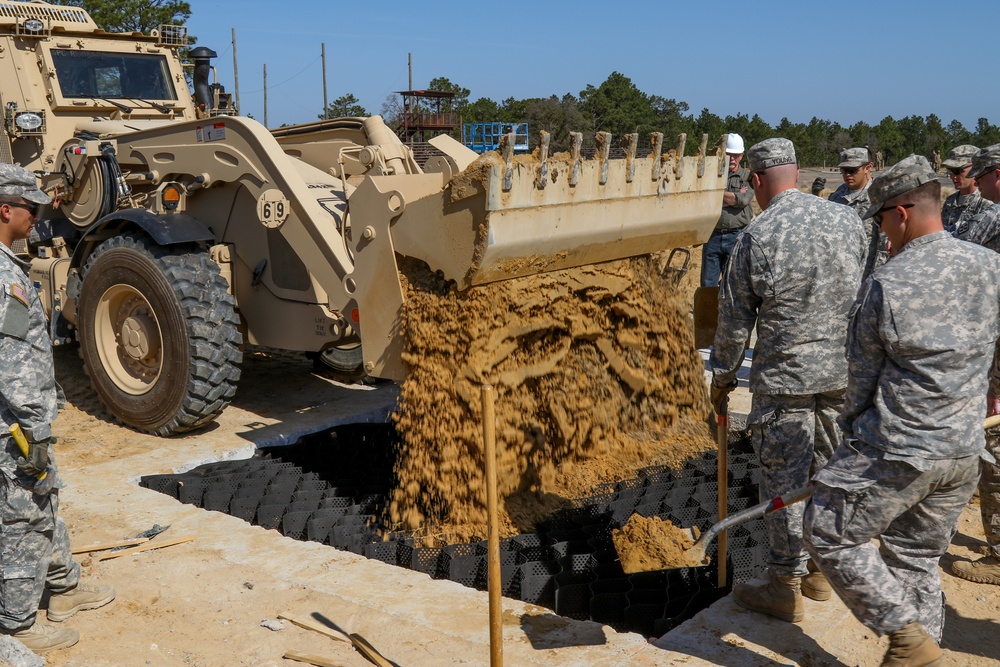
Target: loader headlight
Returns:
[[33, 25], [28, 121]]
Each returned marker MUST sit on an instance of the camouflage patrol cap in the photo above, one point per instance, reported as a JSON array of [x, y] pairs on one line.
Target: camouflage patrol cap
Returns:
[[854, 157], [17, 181], [960, 156], [770, 153], [900, 178], [983, 160]]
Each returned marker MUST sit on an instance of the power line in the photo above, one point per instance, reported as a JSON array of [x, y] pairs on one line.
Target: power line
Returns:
[[277, 85]]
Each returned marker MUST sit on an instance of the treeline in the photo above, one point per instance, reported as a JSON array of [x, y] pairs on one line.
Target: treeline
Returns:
[[619, 107]]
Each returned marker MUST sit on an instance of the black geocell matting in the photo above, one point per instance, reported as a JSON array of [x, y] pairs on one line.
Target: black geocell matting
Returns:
[[331, 487]]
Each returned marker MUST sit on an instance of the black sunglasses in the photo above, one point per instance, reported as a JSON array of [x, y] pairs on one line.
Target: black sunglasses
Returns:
[[878, 215], [849, 170], [30, 208], [957, 171]]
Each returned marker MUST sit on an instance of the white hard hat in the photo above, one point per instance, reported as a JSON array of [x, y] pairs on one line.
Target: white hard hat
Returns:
[[734, 144]]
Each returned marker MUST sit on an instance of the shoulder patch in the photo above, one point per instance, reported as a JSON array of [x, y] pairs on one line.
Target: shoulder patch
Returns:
[[19, 293]]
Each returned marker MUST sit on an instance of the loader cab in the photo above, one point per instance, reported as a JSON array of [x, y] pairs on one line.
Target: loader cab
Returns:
[[60, 74]]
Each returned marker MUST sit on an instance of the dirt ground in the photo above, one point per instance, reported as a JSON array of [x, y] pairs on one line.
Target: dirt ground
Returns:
[[202, 603]]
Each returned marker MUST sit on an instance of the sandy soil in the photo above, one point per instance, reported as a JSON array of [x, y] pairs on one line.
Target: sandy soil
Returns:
[[594, 373]]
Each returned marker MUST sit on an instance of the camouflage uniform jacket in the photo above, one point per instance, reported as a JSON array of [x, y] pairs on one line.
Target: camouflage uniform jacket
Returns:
[[958, 207], [794, 273], [920, 346], [876, 242], [983, 229], [738, 215], [27, 377]]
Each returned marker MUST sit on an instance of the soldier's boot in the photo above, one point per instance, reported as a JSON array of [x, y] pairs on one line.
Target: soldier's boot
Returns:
[[983, 571], [41, 638], [780, 597], [81, 598], [815, 585], [910, 646]]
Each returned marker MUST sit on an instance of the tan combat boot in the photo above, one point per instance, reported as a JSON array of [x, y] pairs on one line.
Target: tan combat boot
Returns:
[[780, 597], [81, 598], [41, 638], [910, 646], [815, 585], [983, 571]]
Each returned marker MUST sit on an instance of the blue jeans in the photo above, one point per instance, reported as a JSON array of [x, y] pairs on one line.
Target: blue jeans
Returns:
[[714, 255]]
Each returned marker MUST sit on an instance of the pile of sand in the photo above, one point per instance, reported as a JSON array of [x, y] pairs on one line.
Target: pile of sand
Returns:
[[595, 376]]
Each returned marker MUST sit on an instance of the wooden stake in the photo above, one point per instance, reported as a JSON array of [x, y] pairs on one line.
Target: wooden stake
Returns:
[[148, 546], [722, 426], [493, 529]]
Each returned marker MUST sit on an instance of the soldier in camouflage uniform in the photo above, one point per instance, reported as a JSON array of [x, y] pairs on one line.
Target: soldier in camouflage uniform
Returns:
[[856, 169], [34, 543], [985, 230], [919, 351], [794, 273], [966, 202]]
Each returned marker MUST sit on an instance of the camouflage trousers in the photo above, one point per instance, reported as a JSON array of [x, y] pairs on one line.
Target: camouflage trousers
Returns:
[[34, 553], [793, 437], [989, 495], [861, 496]]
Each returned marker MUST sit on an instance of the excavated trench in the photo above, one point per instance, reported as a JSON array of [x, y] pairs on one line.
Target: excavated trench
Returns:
[[332, 488], [600, 411]]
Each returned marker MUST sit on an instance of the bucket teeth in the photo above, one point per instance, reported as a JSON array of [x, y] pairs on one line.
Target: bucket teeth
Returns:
[[543, 157]]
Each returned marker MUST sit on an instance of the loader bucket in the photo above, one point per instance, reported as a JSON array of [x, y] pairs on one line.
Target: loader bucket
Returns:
[[500, 219], [503, 217]]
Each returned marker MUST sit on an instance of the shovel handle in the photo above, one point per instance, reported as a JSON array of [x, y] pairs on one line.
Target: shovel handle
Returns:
[[755, 512]]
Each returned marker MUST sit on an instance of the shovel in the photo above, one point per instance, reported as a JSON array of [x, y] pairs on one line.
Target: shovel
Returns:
[[696, 554]]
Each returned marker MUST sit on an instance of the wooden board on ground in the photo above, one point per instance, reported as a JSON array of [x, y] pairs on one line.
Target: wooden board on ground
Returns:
[[110, 545], [317, 660], [315, 626], [148, 546]]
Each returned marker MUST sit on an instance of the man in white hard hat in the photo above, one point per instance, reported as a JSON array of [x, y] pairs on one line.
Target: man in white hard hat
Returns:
[[736, 214]]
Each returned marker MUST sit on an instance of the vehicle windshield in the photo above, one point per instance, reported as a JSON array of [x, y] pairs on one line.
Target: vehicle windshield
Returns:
[[113, 75]]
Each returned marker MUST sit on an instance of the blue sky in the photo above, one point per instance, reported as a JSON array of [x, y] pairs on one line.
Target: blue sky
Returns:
[[844, 62]]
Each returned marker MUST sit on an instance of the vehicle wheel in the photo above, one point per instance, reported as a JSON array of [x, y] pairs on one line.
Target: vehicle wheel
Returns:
[[158, 334], [346, 363]]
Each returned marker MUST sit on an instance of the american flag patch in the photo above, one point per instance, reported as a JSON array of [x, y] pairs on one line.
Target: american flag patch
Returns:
[[19, 293]]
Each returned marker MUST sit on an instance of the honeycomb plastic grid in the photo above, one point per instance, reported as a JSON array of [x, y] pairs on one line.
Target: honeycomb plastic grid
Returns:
[[544, 568]]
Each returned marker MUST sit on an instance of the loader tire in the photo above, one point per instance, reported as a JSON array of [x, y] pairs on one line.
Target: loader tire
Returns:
[[158, 333]]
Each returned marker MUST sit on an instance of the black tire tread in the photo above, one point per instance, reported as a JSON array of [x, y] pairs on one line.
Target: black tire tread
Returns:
[[212, 322]]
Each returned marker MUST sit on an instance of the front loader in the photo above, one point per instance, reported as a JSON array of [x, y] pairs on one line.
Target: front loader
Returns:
[[181, 232]]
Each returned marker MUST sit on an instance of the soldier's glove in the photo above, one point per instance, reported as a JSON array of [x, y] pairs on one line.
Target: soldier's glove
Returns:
[[37, 460], [818, 185], [720, 396]]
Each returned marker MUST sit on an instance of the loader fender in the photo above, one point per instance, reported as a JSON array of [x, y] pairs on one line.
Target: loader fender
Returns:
[[165, 230]]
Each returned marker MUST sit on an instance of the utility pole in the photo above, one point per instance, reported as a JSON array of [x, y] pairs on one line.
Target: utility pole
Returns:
[[265, 94], [409, 65], [323, 53], [236, 75]]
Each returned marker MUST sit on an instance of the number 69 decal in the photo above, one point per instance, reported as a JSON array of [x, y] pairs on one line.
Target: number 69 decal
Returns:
[[272, 208]]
